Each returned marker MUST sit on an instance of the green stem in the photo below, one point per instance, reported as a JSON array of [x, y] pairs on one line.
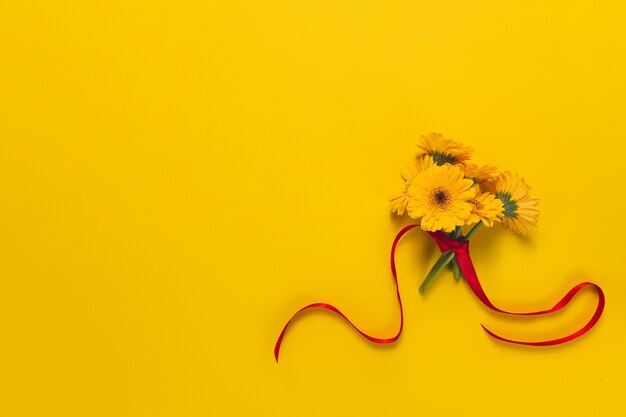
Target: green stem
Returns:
[[456, 269], [456, 235], [473, 230], [443, 260]]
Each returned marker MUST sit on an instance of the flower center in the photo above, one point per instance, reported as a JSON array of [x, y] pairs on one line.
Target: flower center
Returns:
[[440, 197], [477, 204]]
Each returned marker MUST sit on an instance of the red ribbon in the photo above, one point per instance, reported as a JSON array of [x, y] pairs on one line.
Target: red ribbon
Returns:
[[461, 250]]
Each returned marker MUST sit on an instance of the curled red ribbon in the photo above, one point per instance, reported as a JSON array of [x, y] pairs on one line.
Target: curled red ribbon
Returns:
[[336, 310], [461, 251]]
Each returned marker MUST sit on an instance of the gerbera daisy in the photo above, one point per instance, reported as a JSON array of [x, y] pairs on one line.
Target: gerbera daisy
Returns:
[[520, 207], [440, 197], [408, 173], [444, 150], [481, 175], [486, 208]]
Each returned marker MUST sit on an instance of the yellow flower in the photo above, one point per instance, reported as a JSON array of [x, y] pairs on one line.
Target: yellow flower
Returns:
[[520, 207], [444, 150], [486, 208], [408, 173], [440, 197], [481, 175]]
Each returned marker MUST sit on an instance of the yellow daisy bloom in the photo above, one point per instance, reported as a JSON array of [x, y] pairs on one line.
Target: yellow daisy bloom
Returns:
[[486, 208], [408, 173], [481, 175], [520, 207], [444, 150], [440, 197]]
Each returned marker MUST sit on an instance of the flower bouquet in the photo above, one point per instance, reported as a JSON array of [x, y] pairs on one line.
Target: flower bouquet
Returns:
[[452, 198], [449, 193]]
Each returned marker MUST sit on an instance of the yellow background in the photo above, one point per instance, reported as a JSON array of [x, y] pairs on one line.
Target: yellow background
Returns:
[[177, 178]]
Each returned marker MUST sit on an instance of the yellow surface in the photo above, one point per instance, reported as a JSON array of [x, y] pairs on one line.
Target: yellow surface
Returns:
[[177, 178]]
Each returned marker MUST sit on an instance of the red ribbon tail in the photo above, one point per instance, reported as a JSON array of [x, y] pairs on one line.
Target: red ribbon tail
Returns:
[[337, 311], [461, 250], [562, 303]]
